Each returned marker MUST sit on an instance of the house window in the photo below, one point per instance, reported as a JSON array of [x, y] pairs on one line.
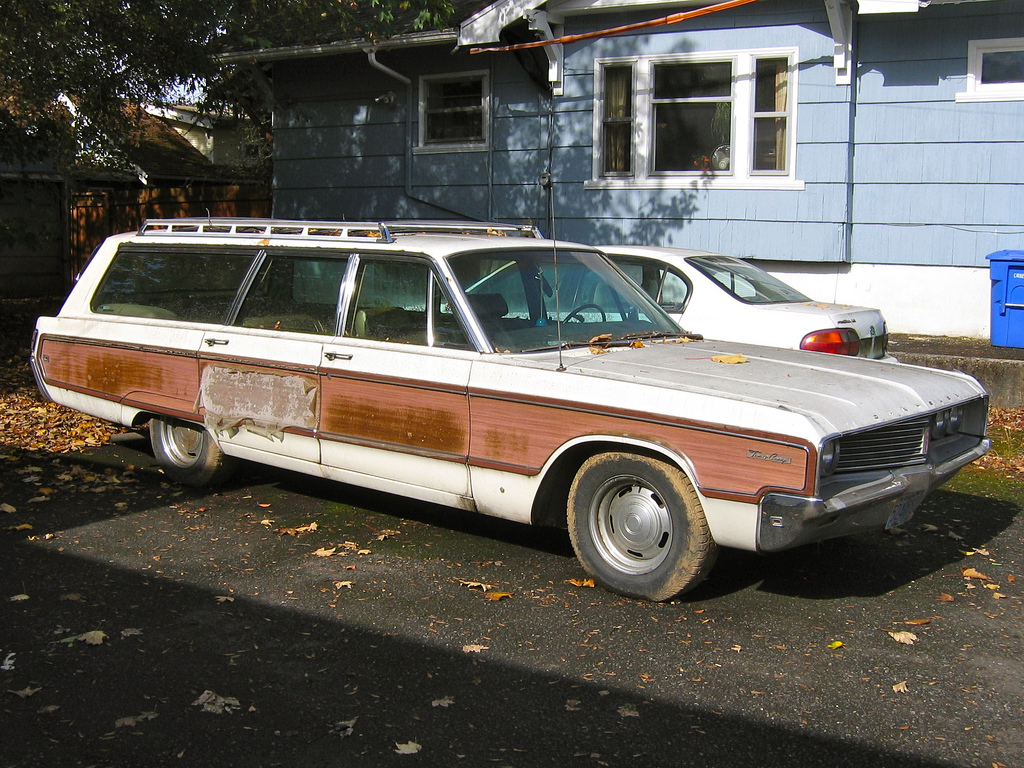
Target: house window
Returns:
[[995, 70], [453, 110], [726, 119]]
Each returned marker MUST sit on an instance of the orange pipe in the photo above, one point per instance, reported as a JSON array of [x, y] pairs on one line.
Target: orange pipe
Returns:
[[674, 18]]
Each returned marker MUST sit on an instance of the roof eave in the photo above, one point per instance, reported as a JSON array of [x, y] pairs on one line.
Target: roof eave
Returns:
[[411, 40]]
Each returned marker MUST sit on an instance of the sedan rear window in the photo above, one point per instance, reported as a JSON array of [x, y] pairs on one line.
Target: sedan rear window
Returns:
[[749, 284]]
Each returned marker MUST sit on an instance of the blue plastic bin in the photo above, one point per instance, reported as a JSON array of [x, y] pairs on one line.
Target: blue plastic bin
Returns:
[[1007, 272]]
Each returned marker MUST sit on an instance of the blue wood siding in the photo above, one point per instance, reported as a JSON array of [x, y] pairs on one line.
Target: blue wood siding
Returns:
[[936, 182], [894, 170]]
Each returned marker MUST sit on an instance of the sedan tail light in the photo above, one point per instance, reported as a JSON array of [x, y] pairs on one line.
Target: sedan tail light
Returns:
[[838, 341]]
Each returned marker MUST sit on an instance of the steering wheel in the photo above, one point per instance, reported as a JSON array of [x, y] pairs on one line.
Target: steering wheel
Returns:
[[576, 314]]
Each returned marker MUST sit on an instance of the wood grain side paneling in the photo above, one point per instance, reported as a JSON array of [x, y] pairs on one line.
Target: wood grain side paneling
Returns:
[[149, 378], [521, 436]]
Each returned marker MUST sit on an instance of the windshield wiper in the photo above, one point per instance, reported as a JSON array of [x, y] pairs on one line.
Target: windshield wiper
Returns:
[[662, 335]]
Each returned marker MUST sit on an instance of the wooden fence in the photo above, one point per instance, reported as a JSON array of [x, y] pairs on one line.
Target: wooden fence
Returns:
[[96, 215]]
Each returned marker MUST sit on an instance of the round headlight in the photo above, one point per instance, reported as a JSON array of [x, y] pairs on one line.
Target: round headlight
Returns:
[[829, 456]]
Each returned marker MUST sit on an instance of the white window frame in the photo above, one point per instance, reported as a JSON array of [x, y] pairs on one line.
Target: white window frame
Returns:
[[741, 175], [455, 146], [979, 91]]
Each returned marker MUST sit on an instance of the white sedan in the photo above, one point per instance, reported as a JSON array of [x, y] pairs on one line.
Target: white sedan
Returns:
[[729, 299]]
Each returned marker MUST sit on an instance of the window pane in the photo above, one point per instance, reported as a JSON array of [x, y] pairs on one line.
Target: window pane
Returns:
[[770, 88], [390, 302], [692, 136], [1002, 67], [692, 81], [617, 149], [454, 110], [293, 294], [770, 144], [192, 285]]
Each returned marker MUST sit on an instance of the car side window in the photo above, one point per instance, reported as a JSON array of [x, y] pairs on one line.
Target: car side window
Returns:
[[190, 284], [402, 301], [666, 286], [293, 293]]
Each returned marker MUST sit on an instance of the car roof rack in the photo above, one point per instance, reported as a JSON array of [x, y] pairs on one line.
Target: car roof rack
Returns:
[[277, 228], [457, 227]]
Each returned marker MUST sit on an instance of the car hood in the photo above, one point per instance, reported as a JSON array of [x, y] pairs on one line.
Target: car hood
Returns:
[[835, 393]]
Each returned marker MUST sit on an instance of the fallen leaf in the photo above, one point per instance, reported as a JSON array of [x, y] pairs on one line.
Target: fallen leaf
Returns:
[[835, 644], [973, 573], [24, 693], [343, 585], [22, 527], [627, 711], [998, 595], [218, 705], [918, 622], [482, 586], [445, 702], [992, 586], [18, 598], [903, 637], [495, 596], [729, 359], [929, 528], [224, 599], [474, 648], [572, 705], [344, 728], [49, 709], [325, 551], [130, 632], [945, 597], [96, 637], [7, 508], [581, 582], [409, 748], [900, 687], [131, 722]]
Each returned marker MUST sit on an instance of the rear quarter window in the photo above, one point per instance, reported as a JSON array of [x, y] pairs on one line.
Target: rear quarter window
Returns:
[[173, 283]]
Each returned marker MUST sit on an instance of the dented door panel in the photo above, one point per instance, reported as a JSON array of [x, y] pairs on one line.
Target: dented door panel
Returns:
[[259, 391]]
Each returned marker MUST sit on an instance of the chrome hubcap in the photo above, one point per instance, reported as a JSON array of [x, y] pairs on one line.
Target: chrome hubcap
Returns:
[[631, 525]]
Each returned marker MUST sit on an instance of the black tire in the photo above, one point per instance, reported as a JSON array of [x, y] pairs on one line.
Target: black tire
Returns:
[[188, 453], [638, 527]]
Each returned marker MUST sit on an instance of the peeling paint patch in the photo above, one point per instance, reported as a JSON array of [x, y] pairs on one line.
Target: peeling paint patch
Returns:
[[263, 403]]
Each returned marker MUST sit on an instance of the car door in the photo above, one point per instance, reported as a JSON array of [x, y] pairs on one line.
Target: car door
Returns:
[[395, 408], [259, 378]]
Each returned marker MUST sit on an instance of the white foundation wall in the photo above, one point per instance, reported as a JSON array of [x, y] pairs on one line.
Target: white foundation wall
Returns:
[[933, 301]]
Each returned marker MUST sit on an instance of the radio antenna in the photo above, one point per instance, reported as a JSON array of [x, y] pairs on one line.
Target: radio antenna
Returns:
[[546, 183]]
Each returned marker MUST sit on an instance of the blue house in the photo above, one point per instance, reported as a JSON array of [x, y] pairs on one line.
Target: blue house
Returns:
[[869, 153]]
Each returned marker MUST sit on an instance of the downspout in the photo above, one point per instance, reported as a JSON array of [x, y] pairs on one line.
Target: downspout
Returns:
[[371, 57]]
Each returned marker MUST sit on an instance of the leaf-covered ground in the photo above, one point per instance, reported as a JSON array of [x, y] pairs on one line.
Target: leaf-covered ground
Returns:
[[28, 423]]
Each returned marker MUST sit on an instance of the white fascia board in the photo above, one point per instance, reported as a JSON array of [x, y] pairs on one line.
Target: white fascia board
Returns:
[[865, 7]]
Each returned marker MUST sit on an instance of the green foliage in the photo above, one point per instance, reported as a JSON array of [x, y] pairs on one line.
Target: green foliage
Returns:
[[69, 68]]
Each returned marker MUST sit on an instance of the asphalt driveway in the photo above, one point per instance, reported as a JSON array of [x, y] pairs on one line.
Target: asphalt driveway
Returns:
[[146, 624]]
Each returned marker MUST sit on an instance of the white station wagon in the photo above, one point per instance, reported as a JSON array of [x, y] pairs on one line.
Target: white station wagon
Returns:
[[514, 376]]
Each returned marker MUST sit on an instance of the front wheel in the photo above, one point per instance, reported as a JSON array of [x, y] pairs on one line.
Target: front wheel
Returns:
[[638, 528], [188, 453]]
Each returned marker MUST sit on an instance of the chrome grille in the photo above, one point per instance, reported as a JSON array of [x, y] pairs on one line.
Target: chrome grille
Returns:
[[895, 445]]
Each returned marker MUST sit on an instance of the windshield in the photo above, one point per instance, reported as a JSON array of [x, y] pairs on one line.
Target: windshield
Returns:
[[746, 282], [520, 296]]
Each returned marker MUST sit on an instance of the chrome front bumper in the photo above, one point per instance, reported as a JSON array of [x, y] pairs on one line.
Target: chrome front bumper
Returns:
[[788, 521]]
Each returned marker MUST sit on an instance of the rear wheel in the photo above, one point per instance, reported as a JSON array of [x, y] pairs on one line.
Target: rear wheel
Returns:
[[188, 453], [638, 527]]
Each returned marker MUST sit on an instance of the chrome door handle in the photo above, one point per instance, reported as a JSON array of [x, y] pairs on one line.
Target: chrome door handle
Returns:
[[337, 356], [214, 342]]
